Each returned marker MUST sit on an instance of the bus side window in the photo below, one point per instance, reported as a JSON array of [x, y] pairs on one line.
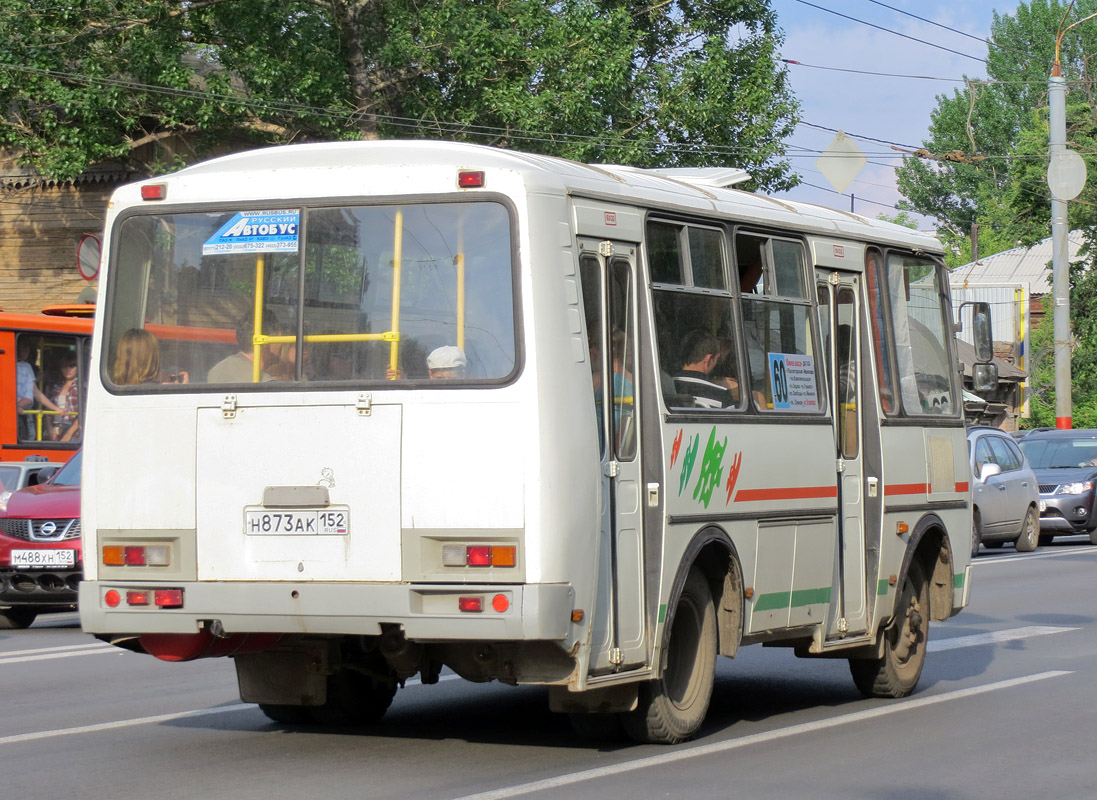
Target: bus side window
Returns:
[[776, 308]]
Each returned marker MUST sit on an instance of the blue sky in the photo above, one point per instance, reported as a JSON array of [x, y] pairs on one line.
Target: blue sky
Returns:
[[886, 108]]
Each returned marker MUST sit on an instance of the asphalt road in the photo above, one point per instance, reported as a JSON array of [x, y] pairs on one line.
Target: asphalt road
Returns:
[[1004, 710]]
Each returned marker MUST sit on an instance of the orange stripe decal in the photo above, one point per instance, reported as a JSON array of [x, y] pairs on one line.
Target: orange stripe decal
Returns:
[[793, 493], [962, 487], [906, 488]]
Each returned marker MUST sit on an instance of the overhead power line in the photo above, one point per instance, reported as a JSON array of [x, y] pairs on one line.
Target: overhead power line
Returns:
[[870, 72], [929, 21], [894, 33]]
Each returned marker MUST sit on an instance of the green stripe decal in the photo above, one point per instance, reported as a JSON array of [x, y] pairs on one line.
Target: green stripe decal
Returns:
[[958, 580], [882, 587], [662, 613], [802, 597]]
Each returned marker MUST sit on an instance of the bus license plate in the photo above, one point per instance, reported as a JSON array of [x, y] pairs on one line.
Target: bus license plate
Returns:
[[43, 558], [298, 521]]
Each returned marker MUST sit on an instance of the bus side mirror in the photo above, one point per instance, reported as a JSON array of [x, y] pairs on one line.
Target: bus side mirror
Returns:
[[984, 377], [982, 333]]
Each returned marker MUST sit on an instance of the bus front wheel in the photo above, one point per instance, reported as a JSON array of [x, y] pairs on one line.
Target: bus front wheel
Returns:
[[897, 672], [672, 707]]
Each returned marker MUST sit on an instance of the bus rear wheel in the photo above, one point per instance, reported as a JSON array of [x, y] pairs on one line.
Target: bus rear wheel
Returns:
[[354, 698], [897, 672], [17, 618], [672, 707]]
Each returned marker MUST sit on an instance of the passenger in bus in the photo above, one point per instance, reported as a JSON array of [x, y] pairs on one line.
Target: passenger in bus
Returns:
[[137, 361], [726, 371], [750, 277], [27, 391], [239, 367], [446, 362], [64, 392], [700, 353]]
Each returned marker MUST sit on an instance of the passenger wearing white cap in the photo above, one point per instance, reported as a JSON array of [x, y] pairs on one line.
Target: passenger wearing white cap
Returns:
[[446, 362]]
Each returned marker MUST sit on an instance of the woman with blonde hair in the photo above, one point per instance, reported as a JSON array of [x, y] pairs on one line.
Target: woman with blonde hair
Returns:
[[138, 359]]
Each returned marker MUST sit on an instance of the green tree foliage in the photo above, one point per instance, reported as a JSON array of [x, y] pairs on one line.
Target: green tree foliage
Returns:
[[991, 138], [648, 84]]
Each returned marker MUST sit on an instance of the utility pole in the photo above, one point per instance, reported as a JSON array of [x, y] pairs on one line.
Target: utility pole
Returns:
[[1066, 177], [1060, 272]]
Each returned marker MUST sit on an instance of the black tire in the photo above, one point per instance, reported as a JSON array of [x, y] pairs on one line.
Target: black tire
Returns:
[[992, 545], [897, 672], [598, 727], [354, 699], [287, 715], [17, 618], [1046, 539], [1030, 532], [976, 534], [672, 707]]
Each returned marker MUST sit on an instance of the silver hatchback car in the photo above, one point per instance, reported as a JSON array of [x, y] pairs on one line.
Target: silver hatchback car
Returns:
[[1005, 495]]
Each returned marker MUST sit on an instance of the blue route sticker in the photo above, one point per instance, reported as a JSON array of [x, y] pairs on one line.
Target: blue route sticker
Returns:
[[255, 232]]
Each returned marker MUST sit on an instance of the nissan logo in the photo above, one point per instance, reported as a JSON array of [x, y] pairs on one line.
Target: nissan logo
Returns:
[[48, 528]]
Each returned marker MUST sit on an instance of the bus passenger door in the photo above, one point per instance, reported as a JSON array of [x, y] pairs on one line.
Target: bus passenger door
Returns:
[[838, 311], [608, 275]]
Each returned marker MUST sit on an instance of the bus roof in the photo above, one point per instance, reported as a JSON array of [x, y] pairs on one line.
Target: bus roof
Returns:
[[284, 171], [46, 323]]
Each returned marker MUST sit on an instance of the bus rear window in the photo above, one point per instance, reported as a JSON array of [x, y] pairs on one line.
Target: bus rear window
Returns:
[[343, 294]]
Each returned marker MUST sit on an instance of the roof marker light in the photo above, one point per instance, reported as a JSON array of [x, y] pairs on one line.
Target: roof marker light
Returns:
[[154, 191], [470, 180]]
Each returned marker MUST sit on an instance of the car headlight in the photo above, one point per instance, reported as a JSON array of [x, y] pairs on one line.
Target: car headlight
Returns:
[[4, 500], [1079, 487]]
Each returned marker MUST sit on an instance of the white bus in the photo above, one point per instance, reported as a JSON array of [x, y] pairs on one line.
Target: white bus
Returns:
[[365, 411]]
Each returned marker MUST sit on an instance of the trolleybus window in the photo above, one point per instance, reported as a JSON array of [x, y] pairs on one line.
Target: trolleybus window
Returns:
[[352, 293], [50, 387]]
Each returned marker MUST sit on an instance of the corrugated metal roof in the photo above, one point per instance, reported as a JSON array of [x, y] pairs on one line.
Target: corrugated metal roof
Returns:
[[1019, 265]]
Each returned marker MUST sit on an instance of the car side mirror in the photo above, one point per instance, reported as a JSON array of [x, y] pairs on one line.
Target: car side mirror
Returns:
[[41, 476], [989, 471]]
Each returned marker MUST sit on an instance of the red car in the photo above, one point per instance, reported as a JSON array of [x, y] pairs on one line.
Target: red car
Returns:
[[40, 556]]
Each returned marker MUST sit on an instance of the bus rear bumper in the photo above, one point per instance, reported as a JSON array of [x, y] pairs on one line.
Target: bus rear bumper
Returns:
[[426, 612]]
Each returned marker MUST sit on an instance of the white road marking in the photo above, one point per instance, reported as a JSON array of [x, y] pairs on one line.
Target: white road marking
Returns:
[[35, 651], [122, 723], [954, 643], [994, 637], [1087, 550], [127, 723], [757, 738]]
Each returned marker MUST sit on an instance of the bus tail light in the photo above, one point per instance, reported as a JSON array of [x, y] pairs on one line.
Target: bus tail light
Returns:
[[137, 598], [168, 598], [479, 555], [475, 604], [139, 555]]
